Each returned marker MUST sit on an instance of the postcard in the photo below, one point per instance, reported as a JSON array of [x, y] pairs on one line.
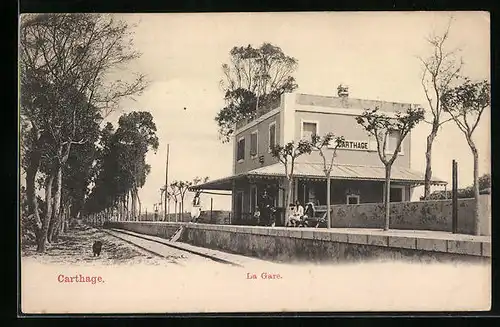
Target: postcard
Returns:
[[254, 162]]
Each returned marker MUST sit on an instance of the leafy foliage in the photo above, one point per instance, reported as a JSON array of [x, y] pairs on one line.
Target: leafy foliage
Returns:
[[287, 154], [379, 125], [321, 143], [255, 78], [68, 81], [466, 103], [484, 182], [462, 193], [122, 166]]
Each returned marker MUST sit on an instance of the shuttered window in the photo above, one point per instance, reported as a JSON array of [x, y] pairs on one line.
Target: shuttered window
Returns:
[[272, 135], [241, 150], [253, 144]]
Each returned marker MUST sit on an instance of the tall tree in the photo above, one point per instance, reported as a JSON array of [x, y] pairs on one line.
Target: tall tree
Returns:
[[175, 195], [254, 78], [136, 134], [287, 155], [183, 186], [122, 167], [67, 60], [380, 126], [466, 103], [321, 144], [439, 70]]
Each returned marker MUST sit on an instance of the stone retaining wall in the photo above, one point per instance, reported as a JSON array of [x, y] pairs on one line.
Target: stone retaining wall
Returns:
[[297, 244]]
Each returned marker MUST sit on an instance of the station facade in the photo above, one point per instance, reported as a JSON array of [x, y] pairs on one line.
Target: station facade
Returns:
[[357, 177]]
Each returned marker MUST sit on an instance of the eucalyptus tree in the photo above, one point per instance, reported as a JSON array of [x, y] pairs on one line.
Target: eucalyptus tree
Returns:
[[67, 61], [254, 78]]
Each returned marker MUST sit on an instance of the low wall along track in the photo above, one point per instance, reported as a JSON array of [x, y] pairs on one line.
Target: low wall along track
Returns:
[[309, 244]]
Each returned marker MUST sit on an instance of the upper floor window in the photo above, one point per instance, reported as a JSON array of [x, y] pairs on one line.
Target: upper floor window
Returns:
[[392, 142], [240, 152], [309, 129], [272, 135], [254, 144]]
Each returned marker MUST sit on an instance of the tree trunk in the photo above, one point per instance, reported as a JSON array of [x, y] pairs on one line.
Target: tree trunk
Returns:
[[120, 208], [288, 200], [54, 222], [122, 205], [428, 161], [475, 185], [328, 221], [59, 226], [34, 157], [176, 216], [65, 216], [31, 172], [127, 206], [42, 235], [118, 213], [139, 202], [133, 204], [182, 208], [168, 207], [387, 199]]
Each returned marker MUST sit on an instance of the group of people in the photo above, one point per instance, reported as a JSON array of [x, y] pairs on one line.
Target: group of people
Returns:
[[299, 215], [265, 212]]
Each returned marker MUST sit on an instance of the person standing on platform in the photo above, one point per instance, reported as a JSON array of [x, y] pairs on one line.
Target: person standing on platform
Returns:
[[196, 207]]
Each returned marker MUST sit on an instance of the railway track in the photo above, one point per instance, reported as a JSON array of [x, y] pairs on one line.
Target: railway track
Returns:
[[164, 249]]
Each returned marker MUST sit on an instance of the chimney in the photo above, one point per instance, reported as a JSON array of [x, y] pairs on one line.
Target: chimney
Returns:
[[343, 91]]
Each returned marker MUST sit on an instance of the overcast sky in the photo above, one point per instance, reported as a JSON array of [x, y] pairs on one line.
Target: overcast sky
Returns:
[[373, 53]]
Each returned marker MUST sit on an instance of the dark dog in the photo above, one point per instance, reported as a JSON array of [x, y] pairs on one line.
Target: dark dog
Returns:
[[96, 248]]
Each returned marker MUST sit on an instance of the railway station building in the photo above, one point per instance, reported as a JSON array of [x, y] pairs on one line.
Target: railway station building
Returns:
[[357, 176]]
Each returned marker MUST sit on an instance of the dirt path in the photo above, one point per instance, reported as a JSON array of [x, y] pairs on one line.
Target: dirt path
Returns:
[[75, 247]]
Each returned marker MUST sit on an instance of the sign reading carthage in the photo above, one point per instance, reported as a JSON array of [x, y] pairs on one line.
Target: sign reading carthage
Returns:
[[353, 145], [79, 279]]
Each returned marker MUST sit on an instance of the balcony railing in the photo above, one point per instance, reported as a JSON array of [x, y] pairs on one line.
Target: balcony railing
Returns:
[[259, 113]]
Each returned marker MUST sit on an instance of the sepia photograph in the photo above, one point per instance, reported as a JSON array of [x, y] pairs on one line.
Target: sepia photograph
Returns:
[[271, 162]]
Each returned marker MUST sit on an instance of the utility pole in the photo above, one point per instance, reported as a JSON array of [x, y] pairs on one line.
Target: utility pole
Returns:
[[166, 186], [454, 197], [211, 208]]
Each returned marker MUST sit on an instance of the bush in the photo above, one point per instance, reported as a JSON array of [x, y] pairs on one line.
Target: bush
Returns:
[[484, 182], [462, 193], [27, 223]]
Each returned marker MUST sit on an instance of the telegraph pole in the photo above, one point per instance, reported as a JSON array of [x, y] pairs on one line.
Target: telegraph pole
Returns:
[[166, 185], [454, 197]]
